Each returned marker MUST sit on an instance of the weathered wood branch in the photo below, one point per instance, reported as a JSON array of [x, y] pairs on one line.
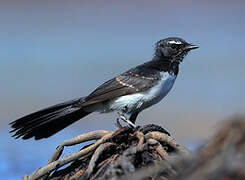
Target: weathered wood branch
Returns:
[[112, 155], [149, 152], [222, 157]]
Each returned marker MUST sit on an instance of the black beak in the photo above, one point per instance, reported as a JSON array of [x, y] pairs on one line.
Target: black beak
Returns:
[[190, 47]]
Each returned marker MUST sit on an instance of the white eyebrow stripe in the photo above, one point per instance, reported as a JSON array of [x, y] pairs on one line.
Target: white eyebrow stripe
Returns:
[[174, 42]]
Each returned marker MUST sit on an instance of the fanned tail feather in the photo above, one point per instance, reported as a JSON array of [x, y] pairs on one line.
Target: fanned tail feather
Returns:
[[46, 122]]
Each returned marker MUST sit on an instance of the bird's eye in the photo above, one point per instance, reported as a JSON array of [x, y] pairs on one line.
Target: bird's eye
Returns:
[[174, 46]]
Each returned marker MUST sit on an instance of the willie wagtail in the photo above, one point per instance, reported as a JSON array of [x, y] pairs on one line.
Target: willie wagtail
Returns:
[[129, 93]]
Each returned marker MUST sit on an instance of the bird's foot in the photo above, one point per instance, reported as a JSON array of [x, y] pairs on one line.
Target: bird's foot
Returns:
[[126, 120]]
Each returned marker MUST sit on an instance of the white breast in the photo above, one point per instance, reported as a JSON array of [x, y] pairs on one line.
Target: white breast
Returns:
[[159, 91], [145, 99]]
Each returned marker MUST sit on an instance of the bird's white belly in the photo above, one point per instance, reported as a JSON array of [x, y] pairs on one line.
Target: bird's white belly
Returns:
[[145, 99]]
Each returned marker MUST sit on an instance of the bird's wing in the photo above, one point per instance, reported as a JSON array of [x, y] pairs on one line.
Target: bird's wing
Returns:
[[124, 84]]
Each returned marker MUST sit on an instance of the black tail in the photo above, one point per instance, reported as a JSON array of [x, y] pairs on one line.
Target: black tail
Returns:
[[49, 121]]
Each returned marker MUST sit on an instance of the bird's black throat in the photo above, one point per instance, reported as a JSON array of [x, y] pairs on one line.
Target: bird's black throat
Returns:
[[163, 64]]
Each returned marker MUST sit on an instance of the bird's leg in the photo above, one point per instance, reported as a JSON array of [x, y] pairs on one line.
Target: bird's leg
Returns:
[[118, 125], [125, 119]]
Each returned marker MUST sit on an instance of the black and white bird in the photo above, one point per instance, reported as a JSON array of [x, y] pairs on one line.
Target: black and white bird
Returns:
[[128, 94]]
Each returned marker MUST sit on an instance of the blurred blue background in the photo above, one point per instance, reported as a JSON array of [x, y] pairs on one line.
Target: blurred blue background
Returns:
[[52, 51]]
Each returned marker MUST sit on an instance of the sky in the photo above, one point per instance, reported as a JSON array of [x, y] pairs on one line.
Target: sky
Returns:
[[53, 51]]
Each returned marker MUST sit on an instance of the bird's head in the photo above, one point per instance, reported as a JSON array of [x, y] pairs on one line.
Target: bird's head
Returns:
[[174, 49]]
